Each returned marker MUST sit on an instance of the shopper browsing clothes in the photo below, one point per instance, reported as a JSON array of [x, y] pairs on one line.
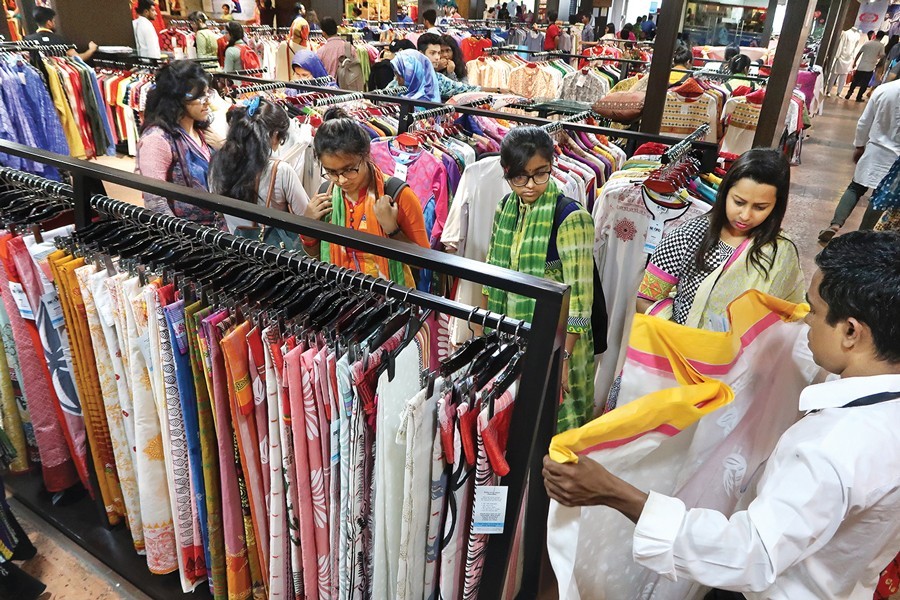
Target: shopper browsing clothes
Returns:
[[824, 521], [877, 147], [709, 261], [172, 147], [245, 168], [45, 18], [359, 196], [528, 237]]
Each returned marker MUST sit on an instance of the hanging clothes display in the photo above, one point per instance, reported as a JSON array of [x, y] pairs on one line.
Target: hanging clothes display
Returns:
[[205, 393]]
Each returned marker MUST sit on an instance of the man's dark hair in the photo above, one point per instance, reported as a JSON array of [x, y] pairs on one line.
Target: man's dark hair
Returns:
[[329, 26], [880, 35], [861, 279], [143, 6], [42, 14], [552, 16], [429, 16], [427, 39]]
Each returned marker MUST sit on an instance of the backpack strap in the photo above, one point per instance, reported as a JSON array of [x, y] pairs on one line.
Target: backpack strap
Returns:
[[394, 186]]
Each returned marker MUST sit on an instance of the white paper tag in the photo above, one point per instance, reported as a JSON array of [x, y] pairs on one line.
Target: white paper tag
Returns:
[[685, 109], [335, 441], [50, 300], [489, 513], [654, 236], [400, 171], [579, 82], [21, 300]]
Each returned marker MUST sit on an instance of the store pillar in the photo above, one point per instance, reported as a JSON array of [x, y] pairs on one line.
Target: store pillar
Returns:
[[770, 20], [79, 21], [668, 25], [783, 78]]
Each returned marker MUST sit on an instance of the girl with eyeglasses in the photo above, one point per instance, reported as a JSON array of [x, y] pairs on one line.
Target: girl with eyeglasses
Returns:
[[354, 195], [173, 147], [537, 231]]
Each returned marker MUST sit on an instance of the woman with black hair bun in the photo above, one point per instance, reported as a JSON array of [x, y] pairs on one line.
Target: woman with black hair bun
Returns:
[[703, 265], [540, 232], [173, 147], [245, 168], [682, 60], [358, 195]]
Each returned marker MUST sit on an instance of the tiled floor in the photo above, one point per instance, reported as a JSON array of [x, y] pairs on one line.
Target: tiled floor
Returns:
[[72, 574], [817, 184], [69, 572]]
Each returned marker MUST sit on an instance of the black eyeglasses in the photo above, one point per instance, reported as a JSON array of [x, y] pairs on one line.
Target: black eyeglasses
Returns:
[[345, 173], [522, 180]]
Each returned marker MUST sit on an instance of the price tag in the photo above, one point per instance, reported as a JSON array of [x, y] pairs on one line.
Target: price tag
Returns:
[[685, 109], [50, 300], [580, 81], [335, 441], [21, 300], [654, 236], [489, 513], [400, 171]]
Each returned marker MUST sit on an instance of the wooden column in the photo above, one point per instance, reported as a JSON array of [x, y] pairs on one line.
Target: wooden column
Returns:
[[770, 22], [104, 22], [667, 28], [26, 9], [791, 43]]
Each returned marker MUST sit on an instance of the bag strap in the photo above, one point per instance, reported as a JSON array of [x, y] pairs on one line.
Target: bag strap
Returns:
[[272, 186], [394, 186], [873, 399]]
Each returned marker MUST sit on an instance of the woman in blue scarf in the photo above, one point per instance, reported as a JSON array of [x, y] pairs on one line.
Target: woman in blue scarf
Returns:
[[306, 65], [417, 74]]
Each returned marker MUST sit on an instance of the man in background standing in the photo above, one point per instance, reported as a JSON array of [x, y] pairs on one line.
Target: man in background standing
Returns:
[[867, 60], [146, 41], [649, 28], [333, 49], [587, 34], [46, 35], [877, 147], [551, 39]]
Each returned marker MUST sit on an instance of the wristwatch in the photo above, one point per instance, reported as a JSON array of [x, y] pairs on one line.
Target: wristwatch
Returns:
[[566, 354]]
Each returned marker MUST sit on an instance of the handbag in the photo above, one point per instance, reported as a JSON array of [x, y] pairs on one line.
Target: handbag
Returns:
[[271, 235], [621, 107]]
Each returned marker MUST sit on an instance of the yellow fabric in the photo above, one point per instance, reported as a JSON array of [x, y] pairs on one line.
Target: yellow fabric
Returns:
[[697, 395], [84, 369], [64, 110]]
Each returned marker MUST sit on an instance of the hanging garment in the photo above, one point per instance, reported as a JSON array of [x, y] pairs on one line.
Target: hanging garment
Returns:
[[704, 445]]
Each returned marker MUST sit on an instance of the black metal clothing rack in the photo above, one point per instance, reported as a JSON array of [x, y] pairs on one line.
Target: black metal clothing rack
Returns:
[[408, 107], [533, 421]]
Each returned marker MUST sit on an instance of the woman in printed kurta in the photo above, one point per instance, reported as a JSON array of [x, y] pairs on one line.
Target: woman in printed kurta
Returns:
[[706, 263], [526, 239]]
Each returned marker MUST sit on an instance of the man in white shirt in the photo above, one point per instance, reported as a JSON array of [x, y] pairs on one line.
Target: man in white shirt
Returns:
[[146, 40], [877, 147], [824, 522], [429, 17]]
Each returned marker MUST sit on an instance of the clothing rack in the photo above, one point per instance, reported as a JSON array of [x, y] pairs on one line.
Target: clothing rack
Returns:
[[533, 421], [554, 55], [555, 126], [432, 112], [721, 76], [709, 150], [250, 71], [262, 87], [326, 80], [342, 99], [684, 146]]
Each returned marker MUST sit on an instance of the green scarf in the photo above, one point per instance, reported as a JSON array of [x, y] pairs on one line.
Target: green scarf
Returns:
[[393, 268], [532, 245]]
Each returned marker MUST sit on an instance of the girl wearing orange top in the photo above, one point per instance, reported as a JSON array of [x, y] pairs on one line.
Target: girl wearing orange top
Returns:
[[355, 198]]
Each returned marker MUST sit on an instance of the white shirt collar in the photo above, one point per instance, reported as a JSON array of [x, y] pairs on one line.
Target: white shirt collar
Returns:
[[836, 393]]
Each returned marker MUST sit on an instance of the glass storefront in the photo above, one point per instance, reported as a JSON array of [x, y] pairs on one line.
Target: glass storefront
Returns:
[[726, 23]]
